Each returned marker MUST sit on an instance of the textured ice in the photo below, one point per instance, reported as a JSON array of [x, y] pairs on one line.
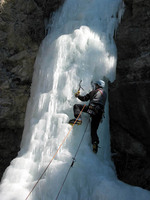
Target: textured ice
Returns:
[[79, 46]]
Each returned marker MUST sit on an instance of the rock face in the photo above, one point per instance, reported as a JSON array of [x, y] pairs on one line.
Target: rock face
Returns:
[[129, 96], [21, 31]]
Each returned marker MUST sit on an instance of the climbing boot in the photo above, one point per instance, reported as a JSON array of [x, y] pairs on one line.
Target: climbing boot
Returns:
[[95, 147], [78, 121]]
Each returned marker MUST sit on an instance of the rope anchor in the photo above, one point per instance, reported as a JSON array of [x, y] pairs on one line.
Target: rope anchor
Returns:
[[73, 161]]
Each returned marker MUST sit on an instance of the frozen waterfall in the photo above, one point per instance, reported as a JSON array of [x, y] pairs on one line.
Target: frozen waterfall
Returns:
[[79, 46]]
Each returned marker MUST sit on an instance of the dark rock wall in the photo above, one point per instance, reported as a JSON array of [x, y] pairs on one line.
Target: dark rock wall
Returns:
[[21, 31], [129, 96]]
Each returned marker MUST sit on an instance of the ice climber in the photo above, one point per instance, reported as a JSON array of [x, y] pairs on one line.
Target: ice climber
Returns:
[[97, 98]]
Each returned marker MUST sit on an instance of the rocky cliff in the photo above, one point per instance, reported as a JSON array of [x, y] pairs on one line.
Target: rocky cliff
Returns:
[[22, 30], [129, 96]]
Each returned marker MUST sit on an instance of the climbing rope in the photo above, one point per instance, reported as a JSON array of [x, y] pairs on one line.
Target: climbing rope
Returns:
[[74, 159], [55, 154]]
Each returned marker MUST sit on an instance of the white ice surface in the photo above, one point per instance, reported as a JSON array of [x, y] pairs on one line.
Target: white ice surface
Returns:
[[79, 46]]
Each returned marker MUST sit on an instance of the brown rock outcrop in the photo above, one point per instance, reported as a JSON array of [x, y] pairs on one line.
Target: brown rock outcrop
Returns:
[[129, 96], [21, 31]]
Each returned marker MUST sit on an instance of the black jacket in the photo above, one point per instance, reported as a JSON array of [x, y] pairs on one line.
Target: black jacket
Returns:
[[96, 97]]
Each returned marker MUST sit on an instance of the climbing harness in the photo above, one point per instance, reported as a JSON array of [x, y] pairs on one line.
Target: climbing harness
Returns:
[[73, 160], [54, 155]]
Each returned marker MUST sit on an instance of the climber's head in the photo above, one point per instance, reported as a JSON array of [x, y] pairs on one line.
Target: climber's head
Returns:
[[99, 84]]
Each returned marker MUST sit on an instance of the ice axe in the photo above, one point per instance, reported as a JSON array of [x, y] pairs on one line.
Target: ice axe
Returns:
[[80, 87]]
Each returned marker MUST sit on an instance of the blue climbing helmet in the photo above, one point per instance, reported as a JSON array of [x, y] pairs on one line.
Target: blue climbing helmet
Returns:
[[101, 83]]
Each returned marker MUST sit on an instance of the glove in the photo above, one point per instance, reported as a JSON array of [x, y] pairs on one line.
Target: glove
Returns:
[[77, 93]]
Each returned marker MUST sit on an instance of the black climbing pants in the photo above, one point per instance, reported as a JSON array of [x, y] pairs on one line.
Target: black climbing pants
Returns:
[[95, 120]]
